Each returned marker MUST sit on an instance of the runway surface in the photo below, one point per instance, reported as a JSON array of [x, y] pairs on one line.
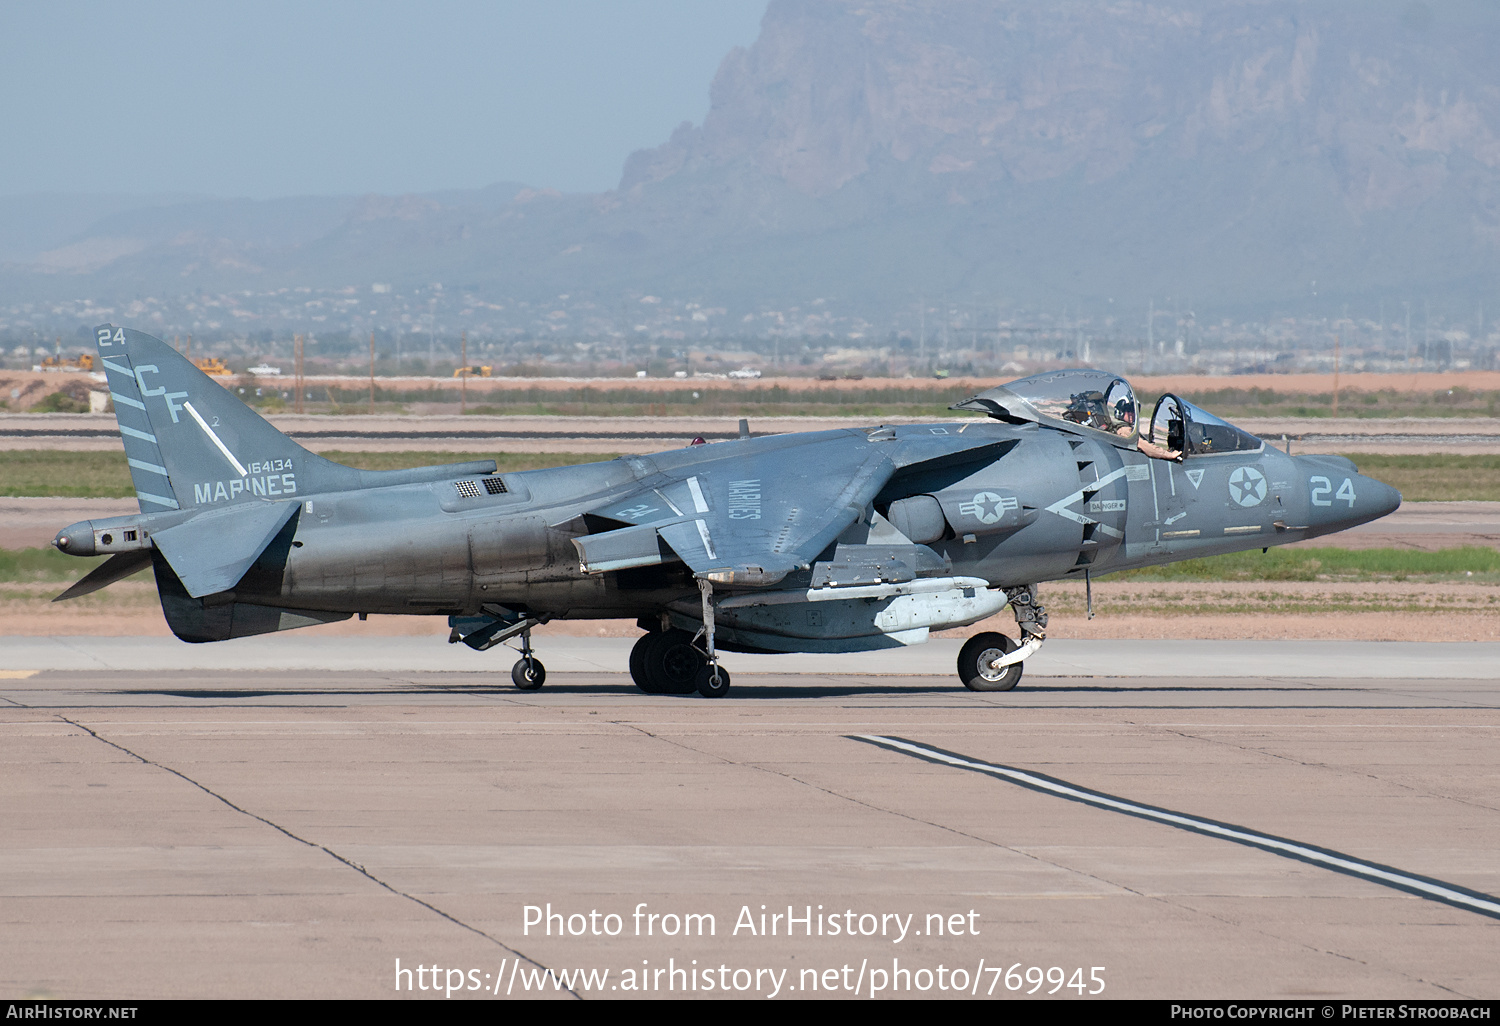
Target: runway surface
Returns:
[[1299, 820], [1380, 660]]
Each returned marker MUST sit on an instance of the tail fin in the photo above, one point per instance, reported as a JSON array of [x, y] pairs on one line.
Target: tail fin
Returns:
[[191, 443], [194, 447]]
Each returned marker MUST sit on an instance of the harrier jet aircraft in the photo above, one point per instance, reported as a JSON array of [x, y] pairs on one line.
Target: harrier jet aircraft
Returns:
[[826, 541]]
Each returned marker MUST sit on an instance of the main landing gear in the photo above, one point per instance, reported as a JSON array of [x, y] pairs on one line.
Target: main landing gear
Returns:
[[666, 663], [992, 662], [670, 662]]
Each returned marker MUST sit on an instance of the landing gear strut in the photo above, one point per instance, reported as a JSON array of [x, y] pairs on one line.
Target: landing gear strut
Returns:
[[992, 662], [712, 679], [528, 674], [496, 626], [672, 662]]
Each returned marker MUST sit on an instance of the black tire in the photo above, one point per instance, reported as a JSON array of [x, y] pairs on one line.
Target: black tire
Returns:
[[528, 674], [671, 663], [713, 681], [974, 660], [638, 663]]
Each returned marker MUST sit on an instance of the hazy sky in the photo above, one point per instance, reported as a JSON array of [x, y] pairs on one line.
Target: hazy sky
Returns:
[[276, 98]]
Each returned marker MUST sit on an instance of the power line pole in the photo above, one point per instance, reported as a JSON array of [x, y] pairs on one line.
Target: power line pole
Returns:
[[999, 327], [1336, 340], [921, 329], [463, 380], [1407, 304], [297, 372], [372, 370]]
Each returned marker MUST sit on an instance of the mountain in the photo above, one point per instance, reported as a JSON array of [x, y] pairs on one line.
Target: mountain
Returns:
[[1248, 155]]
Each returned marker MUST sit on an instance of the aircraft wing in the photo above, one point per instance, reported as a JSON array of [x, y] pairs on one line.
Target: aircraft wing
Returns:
[[753, 517]]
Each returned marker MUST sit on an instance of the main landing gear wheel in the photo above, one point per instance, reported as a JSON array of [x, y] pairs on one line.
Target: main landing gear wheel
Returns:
[[974, 661], [638, 662], [668, 663], [713, 681], [528, 674]]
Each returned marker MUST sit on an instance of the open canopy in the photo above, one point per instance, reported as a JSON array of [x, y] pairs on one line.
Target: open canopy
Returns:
[[1179, 425], [1092, 399]]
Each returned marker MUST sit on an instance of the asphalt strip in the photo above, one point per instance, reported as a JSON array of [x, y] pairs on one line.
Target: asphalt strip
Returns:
[[1421, 886]]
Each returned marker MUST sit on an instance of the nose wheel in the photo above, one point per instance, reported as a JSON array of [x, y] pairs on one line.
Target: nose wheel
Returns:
[[976, 663], [992, 662]]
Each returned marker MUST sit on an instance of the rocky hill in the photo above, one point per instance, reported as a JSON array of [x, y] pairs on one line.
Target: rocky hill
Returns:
[[1251, 154]]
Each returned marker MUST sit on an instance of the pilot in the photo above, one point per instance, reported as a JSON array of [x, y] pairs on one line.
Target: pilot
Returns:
[[1124, 418], [1088, 409]]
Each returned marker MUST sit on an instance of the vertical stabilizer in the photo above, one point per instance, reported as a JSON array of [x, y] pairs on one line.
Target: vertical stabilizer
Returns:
[[148, 471], [190, 443]]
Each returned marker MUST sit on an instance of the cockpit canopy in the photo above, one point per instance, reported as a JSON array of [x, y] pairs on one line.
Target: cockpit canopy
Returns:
[[1182, 427], [1091, 399], [1104, 402]]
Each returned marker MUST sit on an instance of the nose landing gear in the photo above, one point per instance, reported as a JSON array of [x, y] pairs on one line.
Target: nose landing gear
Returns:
[[977, 659], [993, 662]]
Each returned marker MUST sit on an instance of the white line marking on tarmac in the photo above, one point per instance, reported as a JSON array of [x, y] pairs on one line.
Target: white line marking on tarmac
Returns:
[[1424, 887]]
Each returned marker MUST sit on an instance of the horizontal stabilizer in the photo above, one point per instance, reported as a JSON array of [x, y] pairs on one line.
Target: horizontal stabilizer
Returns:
[[212, 551], [116, 568]]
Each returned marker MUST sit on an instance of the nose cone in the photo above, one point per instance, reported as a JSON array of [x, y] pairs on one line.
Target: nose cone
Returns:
[[1375, 501], [1339, 497]]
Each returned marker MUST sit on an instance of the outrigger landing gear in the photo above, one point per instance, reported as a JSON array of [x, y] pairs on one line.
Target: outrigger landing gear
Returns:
[[712, 679], [495, 627], [992, 662], [528, 674]]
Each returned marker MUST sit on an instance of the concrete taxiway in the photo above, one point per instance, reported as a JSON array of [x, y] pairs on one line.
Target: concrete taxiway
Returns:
[[293, 830]]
